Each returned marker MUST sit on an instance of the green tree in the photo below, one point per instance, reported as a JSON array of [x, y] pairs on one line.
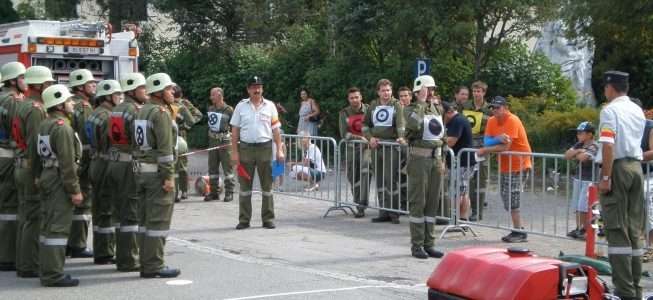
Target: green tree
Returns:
[[61, 9], [7, 12], [622, 35], [497, 21]]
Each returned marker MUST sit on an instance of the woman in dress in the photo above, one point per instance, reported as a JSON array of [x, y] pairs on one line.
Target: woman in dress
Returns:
[[308, 109]]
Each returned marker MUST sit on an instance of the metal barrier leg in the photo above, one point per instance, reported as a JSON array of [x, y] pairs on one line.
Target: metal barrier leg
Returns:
[[455, 181], [338, 206]]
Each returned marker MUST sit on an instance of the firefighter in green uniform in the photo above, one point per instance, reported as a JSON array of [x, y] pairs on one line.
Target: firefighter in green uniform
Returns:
[[25, 123], [219, 115], [425, 134], [622, 184], [12, 92], [254, 125], [155, 138], [358, 155], [121, 172], [97, 131], [186, 116], [478, 112], [83, 86], [55, 158], [384, 122]]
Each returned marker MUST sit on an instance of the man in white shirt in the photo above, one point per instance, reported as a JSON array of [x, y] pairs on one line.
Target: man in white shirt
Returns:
[[622, 184], [255, 124]]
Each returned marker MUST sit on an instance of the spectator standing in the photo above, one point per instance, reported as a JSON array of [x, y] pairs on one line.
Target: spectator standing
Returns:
[[478, 113], [309, 114], [459, 136], [461, 97], [509, 133], [584, 152], [357, 154], [405, 96]]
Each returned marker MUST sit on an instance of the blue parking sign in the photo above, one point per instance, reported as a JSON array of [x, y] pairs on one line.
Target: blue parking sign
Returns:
[[422, 66]]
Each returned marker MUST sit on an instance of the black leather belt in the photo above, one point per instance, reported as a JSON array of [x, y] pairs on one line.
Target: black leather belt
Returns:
[[268, 143]]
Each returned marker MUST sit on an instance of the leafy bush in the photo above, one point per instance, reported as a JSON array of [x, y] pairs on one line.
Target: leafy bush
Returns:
[[516, 72], [550, 128]]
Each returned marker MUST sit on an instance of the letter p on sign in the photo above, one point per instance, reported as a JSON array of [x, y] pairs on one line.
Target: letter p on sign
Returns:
[[422, 66]]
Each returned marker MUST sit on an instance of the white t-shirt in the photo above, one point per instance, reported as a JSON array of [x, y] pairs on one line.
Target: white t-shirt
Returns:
[[256, 124], [622, 124], [314, 155]]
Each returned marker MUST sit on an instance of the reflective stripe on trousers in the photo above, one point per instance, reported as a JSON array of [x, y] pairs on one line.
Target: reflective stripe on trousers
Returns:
[[625, 251]]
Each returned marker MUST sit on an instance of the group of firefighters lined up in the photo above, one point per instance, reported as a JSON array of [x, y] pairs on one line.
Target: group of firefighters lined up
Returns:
[[59, 151]]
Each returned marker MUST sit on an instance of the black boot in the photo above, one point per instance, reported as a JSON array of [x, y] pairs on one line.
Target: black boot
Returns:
[[166, 272], [418, 252], [104, 260], [4, 267], [80, 252], [228, 197], [360, 213], [433, 253], [66, 281], [381, 219], [211, 197]]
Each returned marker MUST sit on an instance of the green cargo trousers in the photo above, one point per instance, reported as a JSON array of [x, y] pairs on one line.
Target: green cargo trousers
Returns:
[[217, 158], [125, 210], [29, 216], [103, 222], [57, 217], [387, 174], [8, 212], [82, 213], [624, 216], [424, 184], [358, 173], [259, 158], [154, 222], [181, 177]]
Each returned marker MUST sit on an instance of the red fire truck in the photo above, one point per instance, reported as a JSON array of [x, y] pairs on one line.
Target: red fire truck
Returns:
[[64, 46]]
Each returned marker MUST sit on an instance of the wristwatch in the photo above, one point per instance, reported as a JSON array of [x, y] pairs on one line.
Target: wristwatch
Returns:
[[605, 178]]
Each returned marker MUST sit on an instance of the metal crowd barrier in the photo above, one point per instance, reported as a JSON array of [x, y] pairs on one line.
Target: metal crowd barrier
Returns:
[[545, 192], [288, 183], [350, 180], [377, 179]]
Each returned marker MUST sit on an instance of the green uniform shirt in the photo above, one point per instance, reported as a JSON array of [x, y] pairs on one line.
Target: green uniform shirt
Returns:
[[98, 129], [122, 122], [57, 142], [155, 137], [384, 122], [29, 115], [219, 118], [475, 115], [8, 103], [187, 116], [83, 110], [351, 121], [424, 125]]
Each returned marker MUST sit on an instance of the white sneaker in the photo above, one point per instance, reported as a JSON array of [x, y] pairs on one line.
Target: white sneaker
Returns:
[[312, 188]]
